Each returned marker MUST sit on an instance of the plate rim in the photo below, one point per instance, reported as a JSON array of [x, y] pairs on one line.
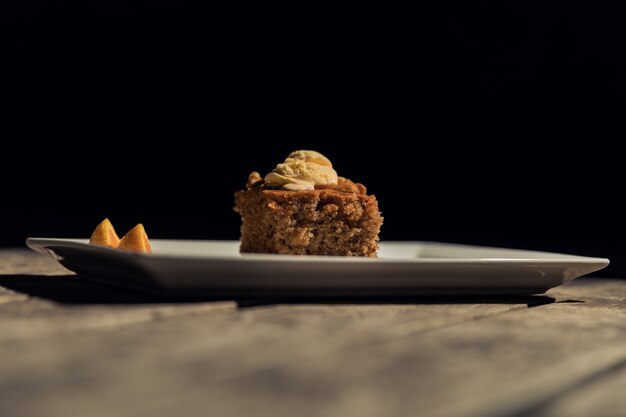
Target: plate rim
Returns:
[[40, 245]]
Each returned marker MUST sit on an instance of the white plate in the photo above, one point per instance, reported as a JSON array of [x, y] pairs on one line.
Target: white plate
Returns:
[[216, 268]]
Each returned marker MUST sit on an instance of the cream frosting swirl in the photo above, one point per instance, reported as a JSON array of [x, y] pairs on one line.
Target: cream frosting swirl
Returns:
[[302, 170]]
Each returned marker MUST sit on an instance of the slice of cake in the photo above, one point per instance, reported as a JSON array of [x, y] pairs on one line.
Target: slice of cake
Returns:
[[303, 208]]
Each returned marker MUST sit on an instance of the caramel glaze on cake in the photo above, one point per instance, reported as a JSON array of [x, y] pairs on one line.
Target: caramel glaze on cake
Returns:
[[338, 219]]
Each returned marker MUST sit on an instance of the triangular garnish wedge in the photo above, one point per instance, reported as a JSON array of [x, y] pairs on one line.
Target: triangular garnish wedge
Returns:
[[136, 240], [105, 235]]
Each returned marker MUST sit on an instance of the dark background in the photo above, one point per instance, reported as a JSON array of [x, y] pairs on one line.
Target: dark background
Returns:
[[479, 123]]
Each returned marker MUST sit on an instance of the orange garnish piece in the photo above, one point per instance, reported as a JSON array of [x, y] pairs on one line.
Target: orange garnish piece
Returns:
[[136, 240], [105, 235]]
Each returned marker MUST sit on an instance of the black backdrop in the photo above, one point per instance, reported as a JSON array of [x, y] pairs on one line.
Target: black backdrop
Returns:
[[481, 123]]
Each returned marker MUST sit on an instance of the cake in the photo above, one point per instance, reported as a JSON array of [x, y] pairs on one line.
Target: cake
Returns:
[[303, 207]]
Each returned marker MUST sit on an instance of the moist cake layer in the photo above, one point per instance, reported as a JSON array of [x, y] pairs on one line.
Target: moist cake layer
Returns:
[[309, 222]]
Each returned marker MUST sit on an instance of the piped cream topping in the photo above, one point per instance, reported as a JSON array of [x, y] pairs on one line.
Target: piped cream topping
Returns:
[[302, 170]]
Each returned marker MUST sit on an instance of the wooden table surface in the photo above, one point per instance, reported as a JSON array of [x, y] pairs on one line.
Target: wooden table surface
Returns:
[[72, 347]]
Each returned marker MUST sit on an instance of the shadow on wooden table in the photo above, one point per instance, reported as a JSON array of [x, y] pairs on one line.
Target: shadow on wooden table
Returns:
[[71, 289]]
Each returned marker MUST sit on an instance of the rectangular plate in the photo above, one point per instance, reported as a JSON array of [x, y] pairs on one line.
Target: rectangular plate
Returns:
[[216, 268]]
